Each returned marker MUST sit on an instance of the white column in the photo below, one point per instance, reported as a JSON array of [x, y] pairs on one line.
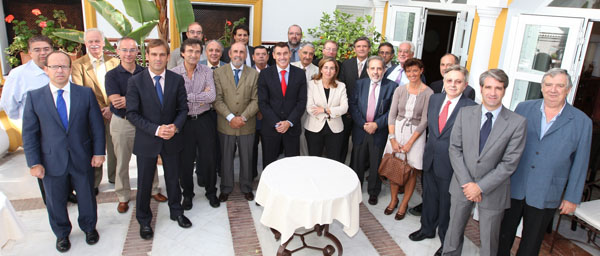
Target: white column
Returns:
[[378, 9], [483, 43]]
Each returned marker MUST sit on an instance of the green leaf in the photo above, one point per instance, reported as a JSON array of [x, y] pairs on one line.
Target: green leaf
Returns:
[[141, 10], [69, 34], [184, 14], [108, 46], [143, 31], [116, 18]]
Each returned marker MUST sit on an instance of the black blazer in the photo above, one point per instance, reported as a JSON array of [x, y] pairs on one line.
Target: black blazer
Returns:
[[349, 74], [225, 56], [274, 107], [145, 113], [359, 103], [439, 84], [436, 156]]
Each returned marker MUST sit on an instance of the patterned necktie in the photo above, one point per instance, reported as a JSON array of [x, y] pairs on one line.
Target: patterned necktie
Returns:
[[371, 106], [485, 131], [360, 69], [236, 76], [61, 107], [158, 87], [283, 84], [443, 116]]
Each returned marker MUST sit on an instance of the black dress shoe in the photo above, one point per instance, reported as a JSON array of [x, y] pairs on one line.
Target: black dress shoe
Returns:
[[249, 196], [63, 244], [92, 237], [223, 197], [439, 251], [214, 202], [419, 236], [183, 221], [372, 199], [146, 232], [187, 203], [416, 211], [72, 198]]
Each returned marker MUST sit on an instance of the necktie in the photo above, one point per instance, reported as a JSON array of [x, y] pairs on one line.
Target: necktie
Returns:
[[213, 67], [485, 131], [61, 107], [371, 106], [236, 76], [294, 55], [283, 84], [360, 69], [399, 78], [158, 89], [443, 116]]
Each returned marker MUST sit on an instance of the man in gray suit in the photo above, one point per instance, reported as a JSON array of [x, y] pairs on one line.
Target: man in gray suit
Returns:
[[485, 147], [537, 186]]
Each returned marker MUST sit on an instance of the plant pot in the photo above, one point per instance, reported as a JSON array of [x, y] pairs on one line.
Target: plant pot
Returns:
[[24, 57]]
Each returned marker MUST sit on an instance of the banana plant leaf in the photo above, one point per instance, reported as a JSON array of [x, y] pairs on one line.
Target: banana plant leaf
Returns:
[[184, 14], [116, 18], [142, 32], [141, 10], [77, 36]]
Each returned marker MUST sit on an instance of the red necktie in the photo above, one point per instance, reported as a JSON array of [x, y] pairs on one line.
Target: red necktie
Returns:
[[283, 84], [443, 116]]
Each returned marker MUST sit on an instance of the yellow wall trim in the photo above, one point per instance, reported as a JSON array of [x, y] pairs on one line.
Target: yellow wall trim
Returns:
[[497, 41], [385, 12], [173, 31], [90, 15], [474, 29]]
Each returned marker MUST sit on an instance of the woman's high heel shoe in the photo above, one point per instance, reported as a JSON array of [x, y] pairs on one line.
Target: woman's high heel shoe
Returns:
[[389, 211]]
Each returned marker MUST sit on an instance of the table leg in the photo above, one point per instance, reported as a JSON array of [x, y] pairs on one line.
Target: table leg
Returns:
[[276, 234], [334, 240], [321, 230]]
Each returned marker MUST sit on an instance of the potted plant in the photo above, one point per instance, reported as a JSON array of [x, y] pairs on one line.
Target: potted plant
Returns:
[[19, 44], [227, 38]]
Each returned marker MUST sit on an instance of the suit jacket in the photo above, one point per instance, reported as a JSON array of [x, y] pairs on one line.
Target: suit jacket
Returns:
[[274, 107], [225, 57], [544, 172], [498, 160], [349, 74], [82, 72], [337, 103], [240, 100], [205, 62], [47, 143], [435, 157], [438, 85], [146, 114], [358, 110]]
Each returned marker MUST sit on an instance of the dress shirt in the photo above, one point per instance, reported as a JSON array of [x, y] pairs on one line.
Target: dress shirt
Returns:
[[358, 64], [396, 72], [116, 83], [376, 93], [211, 65], [309, 70], [545, 126], [162, 86], [452, 105], [100, 70], [66, 95], [495, 114], [248, 57], [233, 68], [287, 76], [198, 98], [388, 65], [21, 79], [295, 55]]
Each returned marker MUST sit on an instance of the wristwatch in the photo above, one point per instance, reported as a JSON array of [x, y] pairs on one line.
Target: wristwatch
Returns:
[[391, 136]]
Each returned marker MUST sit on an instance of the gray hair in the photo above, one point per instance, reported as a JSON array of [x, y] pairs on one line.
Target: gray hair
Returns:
[[458, 68], [215, 41], [495, 73], [304, 44], [558, 71], [87, 31], [412, 46], [295, 25], [123, 39], [376, 57]]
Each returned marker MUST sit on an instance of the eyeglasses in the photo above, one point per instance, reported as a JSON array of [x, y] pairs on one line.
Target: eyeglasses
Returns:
[[56, 67], [404, 51], [132, 50], [193, 32], [38, 50], [385, 53], [330, 49]]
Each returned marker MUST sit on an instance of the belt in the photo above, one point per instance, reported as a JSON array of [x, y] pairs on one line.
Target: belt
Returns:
[[195, 117]]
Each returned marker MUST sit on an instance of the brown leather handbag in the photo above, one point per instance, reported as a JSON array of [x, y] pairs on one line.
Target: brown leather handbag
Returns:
[[396, 170]]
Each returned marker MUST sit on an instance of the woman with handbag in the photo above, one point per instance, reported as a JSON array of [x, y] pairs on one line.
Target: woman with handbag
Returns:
[[326, 103], [407, 121]]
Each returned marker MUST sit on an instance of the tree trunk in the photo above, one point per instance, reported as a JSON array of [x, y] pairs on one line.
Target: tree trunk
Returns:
[[163, 22]]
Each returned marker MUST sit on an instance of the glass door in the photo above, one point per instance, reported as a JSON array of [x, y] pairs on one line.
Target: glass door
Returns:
[[406, 23], [462, 36]]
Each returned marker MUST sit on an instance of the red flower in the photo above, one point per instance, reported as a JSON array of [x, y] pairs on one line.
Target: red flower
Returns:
[[9, 18], [228, 23], [36, 12], [42, 24]]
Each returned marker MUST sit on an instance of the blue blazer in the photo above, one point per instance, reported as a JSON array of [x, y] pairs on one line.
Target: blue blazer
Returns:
[[359, 102], [558, 160], [45, 140], [146, 114], [436, 157]]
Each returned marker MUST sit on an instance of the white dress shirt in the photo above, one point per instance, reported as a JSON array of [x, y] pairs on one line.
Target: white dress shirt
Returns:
[[453, 103], [66, 95], [162, 86]]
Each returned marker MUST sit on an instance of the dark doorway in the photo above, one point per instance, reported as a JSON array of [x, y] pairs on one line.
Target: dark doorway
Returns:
[[439, 34], [213, 18]]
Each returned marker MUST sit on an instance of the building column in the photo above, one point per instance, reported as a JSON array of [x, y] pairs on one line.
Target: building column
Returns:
[[378, 10], [483, 45]]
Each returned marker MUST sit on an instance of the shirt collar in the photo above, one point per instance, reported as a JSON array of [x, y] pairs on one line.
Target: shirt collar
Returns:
[[287, 69], [363, 62], [34, 67], [152, 75], [92, 59], [495, 112], [454, 101], [54, 89], [122, 69], [241, 68], [544, 113]]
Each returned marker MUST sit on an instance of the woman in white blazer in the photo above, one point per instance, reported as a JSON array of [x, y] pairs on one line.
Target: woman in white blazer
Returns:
[[326, 103]]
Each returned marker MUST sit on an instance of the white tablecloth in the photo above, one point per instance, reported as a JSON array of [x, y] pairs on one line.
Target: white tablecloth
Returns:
[[303, 191], [11, 227]]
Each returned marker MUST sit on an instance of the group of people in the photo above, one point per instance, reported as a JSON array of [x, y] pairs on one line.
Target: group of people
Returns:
[[197, 106]]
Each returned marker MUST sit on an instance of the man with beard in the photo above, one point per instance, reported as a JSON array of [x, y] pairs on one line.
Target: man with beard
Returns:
[[294, 39]]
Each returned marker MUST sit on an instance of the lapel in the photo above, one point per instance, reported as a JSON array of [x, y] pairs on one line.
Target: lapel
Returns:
[[75, 102], [321, 91], [452, 117], [537, 118], [565, 117], [365, 91], [230, 78], [436, 114], [498, 128], [51, 106], [149, 84], [243, 77], [383, 87], [89, 71]]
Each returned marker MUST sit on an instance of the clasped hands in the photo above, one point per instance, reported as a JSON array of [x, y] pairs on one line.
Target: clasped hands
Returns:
[[472, 192], [167, 131], [237, 122], [39, 171], [282, 126], [370, 127], [396, 147]]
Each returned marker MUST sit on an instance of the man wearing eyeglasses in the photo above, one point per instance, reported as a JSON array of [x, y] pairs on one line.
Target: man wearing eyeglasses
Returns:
[[406, 50], [122, 131], [195, 31], [90, 71], [386, 51], [330, 49]]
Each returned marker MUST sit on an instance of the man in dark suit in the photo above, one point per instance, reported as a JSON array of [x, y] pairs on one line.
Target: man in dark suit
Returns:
[[371, 123], [281, 100], [350, 71], [437, 170], [157, 107], [241, 34], [486, 144], [63, 138], [447, 61]]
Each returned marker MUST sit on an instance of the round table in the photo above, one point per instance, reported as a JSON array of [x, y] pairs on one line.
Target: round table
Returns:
[[309, 192]]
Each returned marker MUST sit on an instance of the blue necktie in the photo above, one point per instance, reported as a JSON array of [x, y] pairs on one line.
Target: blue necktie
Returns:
[[236, 76], [485, 131], [158, 89], [61, 107]]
